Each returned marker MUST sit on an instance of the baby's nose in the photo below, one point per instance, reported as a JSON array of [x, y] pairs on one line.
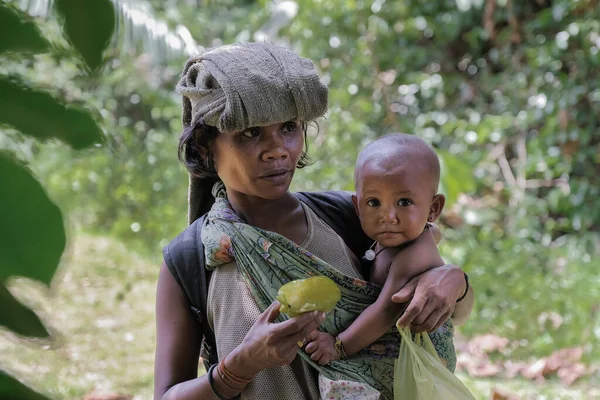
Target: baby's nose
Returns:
[[388, 217]]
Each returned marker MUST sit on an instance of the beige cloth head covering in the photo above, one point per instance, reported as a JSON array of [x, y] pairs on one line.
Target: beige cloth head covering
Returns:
[[244, 85]]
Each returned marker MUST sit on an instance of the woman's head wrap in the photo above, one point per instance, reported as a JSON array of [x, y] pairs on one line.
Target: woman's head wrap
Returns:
[[235, 87]]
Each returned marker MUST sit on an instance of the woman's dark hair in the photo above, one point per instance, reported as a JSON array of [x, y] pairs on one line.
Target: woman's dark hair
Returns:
[[200, 136]]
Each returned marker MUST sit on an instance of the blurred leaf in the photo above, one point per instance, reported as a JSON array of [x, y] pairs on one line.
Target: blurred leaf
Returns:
[[18, 33], [32, 236], [18, 318], [40, 115], [456, 177], [11, 389], [89, 25]]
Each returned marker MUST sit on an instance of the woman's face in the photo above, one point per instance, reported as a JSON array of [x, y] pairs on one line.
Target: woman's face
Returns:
[[259, 162]]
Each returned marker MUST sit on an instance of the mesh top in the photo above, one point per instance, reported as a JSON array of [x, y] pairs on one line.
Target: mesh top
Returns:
[[232, 311]]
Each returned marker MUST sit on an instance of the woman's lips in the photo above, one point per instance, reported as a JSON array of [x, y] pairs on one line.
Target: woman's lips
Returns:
[[276, 175]]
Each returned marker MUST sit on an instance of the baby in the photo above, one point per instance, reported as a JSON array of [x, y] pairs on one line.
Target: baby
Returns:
[[396, 179]]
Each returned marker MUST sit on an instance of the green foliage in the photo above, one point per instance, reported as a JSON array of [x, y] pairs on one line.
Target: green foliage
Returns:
[[42, 116], [32, 235], [19, 318], [11, 389], [89, 27], [18, 33]]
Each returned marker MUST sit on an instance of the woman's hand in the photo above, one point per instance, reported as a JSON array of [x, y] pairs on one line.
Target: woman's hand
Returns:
[[268, 344], [432, 297]]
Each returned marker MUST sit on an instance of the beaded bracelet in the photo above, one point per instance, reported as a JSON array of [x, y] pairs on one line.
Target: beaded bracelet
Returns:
[[466, 289], [211, 382]]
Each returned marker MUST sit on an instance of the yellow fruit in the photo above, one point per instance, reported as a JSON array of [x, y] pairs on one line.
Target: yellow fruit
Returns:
[[303, 295]]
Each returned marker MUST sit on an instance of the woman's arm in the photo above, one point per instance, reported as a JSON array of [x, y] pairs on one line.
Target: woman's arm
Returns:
[[266, 345], [178, 337], [462, 310]]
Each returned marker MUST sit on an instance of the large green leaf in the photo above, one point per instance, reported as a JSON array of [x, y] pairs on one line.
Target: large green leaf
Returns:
[[11, 389], [18, 318], [32, 235], [40, 115], [18, 33], [89, 25], [456, 177]]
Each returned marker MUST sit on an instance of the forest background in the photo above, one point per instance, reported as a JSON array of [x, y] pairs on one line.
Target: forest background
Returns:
[[507, 92]]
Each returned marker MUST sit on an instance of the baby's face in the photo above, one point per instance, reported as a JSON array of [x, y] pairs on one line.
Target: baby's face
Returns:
[[393, 203]]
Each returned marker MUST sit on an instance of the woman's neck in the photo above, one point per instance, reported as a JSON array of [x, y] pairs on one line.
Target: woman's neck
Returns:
[[265, 213]]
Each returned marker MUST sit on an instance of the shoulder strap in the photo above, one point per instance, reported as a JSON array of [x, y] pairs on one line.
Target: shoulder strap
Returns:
[[184, 257]]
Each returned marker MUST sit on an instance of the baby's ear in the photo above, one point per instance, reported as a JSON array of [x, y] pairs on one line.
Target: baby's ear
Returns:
[[437, 205], [355, 202]]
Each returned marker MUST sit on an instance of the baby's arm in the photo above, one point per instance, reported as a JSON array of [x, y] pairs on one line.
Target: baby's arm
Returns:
[[415, 259]]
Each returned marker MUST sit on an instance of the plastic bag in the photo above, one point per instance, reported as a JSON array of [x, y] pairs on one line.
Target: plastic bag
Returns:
[[420, 375]]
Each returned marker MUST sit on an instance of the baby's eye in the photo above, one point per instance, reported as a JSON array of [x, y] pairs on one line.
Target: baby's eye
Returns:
[[373, 203], [404, 202], [251, 133], [290, 126]]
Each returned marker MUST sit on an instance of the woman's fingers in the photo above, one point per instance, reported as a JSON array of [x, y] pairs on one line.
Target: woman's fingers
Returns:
[[428, 319], [309, 328], [406, 292], [295, 325], [417, 304], [270, 313], [444, 318]]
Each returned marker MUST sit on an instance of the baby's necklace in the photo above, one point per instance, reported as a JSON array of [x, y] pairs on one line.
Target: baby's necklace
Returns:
[[370, 254]]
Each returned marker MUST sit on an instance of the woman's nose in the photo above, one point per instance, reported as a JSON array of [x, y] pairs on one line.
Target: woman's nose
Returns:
[[274, 146]]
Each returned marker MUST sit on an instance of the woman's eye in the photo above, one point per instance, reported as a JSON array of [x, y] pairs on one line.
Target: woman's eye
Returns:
[[404, 202], [290, 126], [373, 203], [251, 133]]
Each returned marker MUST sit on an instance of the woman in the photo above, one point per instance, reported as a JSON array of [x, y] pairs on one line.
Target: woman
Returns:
[[245, 113]]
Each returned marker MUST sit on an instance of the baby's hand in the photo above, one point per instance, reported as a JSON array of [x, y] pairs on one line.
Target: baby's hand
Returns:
[[321, 347]]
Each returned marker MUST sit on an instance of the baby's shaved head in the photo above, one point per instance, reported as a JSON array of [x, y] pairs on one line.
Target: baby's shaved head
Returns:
[[400, 148]]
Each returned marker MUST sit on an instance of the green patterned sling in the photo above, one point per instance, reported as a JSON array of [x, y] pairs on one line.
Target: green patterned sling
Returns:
[[267, 260]]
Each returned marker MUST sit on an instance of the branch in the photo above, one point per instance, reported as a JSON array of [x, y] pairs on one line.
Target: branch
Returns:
[[506, 170], [522, 157], [512, 20], [488, 19]]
